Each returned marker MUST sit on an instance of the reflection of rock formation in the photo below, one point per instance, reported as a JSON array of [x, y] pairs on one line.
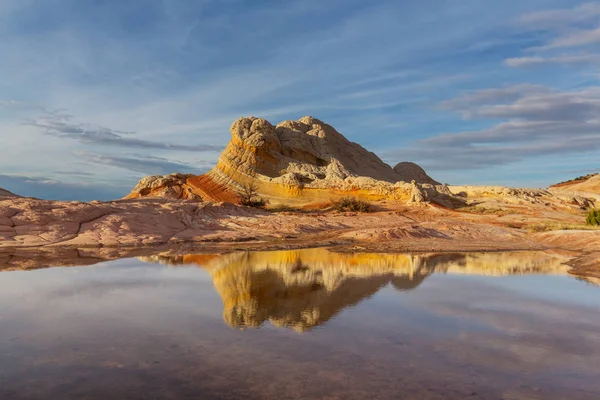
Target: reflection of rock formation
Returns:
[[293, 295], [302, 289]]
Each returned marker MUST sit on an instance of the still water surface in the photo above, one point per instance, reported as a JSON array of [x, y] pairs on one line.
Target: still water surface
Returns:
[[301, 325]]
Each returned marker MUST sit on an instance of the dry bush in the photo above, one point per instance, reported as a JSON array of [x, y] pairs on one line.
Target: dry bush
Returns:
[[560, 226], [486, 210], [249, 198], [352, 204], [283, 208]]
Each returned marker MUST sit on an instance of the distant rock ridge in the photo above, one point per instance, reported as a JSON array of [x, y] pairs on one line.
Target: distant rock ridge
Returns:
[[6, 193], [303, 160], [584, 190], [409, 171]]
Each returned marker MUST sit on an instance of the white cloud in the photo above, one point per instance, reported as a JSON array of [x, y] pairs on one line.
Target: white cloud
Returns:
[[577, 60], [538, 121], [574, 39], [143, 164], [560, 17], [60, 125]]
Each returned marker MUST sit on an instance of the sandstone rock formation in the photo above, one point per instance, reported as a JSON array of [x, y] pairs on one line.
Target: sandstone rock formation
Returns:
[[307, 161], [417, 195], [296, 161], [172, 186]]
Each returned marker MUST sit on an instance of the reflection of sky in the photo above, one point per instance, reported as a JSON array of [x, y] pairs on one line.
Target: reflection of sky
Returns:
[[108, 286], [130, 313], [561, 289]]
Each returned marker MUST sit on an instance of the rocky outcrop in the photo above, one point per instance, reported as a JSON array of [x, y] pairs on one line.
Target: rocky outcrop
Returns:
[[294, 162], [172, 186], [417, 195], [307, 149]]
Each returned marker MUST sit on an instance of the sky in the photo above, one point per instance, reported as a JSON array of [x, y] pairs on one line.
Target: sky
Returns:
[[96, 94]]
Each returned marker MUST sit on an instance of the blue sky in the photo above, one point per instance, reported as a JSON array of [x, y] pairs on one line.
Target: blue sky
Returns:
[[96, 94]]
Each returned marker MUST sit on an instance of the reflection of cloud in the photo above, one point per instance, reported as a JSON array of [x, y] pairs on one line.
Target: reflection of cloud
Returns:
[[517, 330]]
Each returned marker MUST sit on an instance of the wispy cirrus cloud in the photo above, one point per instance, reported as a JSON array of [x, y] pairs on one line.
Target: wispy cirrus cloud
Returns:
[[575, 28], [572, 60], [519, 123], [559, 18], [144, 164], [538, 121], [529, 103], [577, 38], [60, 125]]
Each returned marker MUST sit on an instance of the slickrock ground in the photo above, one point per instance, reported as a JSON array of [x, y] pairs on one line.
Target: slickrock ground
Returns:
[[128, 227], [28, 222]]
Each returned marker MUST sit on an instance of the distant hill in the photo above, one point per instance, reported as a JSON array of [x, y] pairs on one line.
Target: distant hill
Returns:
[[588, 184], [6, 193]]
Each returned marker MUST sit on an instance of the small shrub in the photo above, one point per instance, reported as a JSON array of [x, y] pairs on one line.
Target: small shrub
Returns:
[[560, 226], [248, 197], [352, 204], [282, 208], [256, 203], [485, 210], [514, 225], [593, 218]]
